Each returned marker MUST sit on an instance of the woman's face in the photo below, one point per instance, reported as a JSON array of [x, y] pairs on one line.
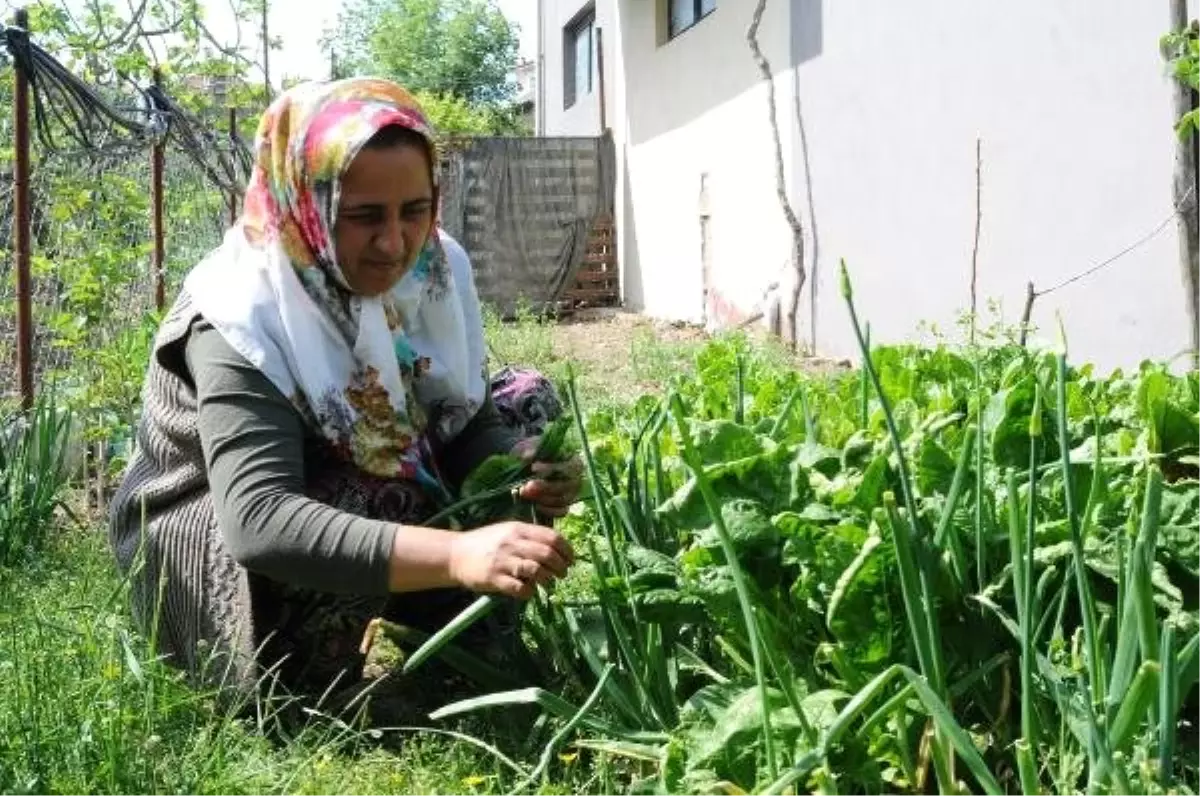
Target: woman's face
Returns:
[[384, 217]]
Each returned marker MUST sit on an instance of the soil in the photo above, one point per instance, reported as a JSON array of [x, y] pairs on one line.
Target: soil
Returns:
[[601, 341]]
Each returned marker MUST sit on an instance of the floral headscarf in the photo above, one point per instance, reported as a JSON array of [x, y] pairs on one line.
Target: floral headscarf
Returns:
[[371, 375]]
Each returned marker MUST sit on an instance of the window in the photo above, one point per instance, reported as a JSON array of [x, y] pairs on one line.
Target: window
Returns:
[[682, 14], [579, 57]]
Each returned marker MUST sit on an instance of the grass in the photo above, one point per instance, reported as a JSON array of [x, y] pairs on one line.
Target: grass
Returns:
[[85, 707], [614, 362]]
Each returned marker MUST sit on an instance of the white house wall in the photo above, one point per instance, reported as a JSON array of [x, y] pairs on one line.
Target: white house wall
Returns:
[[583, 117], [1073, 109], [1071, 102], [695, 112]]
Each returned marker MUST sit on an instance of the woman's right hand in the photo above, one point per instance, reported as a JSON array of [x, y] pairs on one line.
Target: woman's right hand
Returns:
[[509, 558]]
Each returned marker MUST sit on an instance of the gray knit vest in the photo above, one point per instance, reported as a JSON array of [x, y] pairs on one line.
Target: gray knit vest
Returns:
[[164, 535]]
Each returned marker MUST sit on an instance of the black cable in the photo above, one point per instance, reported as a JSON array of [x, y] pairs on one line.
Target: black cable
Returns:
[[60, 98], [73, 119]]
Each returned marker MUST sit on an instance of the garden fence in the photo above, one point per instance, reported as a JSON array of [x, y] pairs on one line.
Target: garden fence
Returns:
[[110, 196]]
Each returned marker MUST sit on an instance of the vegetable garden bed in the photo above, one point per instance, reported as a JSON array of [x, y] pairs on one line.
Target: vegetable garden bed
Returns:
[[951, 571]]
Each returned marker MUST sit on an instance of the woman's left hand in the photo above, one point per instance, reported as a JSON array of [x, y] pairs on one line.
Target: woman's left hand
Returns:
[[557, 484]]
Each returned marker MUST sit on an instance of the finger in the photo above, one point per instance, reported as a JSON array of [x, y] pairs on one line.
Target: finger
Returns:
[[526, 448], [530, 571], [550, 493], [547, 536], [544, 555], [557, 472], [560, 493], [513, 587], [555, 487], [529, 491], [550, 508], [564, 549], [571, 468]]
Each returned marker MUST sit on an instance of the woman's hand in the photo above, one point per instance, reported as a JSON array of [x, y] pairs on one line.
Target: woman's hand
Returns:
[[509, 558], [557, 485]]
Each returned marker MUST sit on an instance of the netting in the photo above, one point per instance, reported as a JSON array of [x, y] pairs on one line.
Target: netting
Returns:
[[90, 192], [91, 264], [526, 209]]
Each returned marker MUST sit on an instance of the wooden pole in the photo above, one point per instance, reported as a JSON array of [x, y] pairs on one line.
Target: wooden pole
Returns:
[[157, 262], [600, 78], [233, 137], [1027, 313], [21, 223], [793, 281], [975, 246], [1184, 188], [266, 7]]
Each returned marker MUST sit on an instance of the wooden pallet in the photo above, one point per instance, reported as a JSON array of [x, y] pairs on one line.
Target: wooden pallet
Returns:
[[597, 282]]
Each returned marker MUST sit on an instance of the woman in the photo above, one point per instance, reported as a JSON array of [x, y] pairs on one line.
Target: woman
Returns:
[[318, 383]]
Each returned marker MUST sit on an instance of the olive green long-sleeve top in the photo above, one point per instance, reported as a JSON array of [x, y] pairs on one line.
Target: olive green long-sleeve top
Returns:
[[254, 439]]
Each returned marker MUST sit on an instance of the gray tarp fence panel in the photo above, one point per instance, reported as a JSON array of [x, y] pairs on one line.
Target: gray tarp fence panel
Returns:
[[523, 208]]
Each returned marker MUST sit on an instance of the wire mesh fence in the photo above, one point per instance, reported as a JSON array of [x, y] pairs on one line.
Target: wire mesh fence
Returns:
[[80, 158], [92, 271]]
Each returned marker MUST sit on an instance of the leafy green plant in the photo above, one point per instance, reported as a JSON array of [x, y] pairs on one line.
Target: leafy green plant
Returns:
[[33, 474], [939, 590], [1181, 48]]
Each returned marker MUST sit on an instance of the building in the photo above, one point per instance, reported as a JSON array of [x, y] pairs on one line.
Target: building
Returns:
[[880, 107]]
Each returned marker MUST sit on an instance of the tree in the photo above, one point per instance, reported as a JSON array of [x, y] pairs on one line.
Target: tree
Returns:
[[452, 115], [465, 49]]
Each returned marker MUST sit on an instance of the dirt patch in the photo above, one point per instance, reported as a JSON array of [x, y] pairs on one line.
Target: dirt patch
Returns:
[[616, 354], [578, 331], [621, 350], [623, 354]]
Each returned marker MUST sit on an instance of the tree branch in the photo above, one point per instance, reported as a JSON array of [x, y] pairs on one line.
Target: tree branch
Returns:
[[797, 263], [975, 246]]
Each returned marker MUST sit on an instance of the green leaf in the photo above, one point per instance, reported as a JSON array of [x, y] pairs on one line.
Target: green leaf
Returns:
[[815, 456], [935, 468], [721, 440], [669, 607], [494, 472], [874, 483], [552, 704], [750, 529], [728, 739], [765, 478], [1173, 426], [467, 617], [1007, 419], [650, 569]]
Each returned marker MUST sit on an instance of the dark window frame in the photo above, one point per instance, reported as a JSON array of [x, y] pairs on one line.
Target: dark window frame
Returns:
[[583, 24], [697, 12]]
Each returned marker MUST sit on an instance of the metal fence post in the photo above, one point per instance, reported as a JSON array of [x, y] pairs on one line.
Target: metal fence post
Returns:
[[158, 263], [21, 223]]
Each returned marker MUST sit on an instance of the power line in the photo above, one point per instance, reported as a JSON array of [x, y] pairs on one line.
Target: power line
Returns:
[[1140, 242]]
